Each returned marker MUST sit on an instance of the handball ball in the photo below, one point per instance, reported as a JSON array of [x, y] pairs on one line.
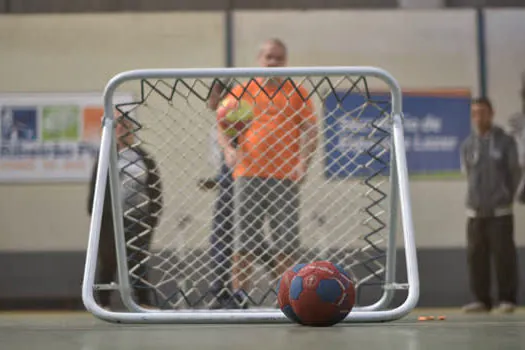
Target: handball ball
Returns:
[[234, 116], [321, 295], [283, 291]]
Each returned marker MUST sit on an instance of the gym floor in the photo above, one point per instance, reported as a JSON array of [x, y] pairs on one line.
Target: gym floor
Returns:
[[77, 330]]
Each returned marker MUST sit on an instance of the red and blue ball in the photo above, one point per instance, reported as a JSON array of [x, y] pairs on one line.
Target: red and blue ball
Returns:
[[321, 294]]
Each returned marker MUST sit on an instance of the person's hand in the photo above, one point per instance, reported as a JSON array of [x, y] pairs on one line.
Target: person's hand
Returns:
[[230, 156], [215, 97], [207, 184], [300, 171]]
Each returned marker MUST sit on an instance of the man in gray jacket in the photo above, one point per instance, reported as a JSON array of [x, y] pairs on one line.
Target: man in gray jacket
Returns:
[[142, 203], [490, 160]]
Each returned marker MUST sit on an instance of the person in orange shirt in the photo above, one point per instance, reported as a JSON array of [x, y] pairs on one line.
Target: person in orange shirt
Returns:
[[270, 161]]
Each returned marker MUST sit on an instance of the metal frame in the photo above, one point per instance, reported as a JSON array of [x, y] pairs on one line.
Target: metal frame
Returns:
[[399, 198]]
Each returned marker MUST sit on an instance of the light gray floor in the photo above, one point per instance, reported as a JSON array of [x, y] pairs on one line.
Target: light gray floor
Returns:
[[70, 331]]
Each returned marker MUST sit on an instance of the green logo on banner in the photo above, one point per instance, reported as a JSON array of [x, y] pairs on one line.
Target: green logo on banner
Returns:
[[61, 123]]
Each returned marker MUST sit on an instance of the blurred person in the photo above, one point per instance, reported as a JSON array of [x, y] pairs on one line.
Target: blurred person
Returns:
[[222, 237], [142, 202], [270, 160], [490, 160]]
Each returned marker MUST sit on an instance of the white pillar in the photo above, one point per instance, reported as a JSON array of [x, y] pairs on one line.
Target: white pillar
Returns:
[[421, 4]]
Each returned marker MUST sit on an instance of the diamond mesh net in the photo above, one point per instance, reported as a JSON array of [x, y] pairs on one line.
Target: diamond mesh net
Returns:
[[179, 210]]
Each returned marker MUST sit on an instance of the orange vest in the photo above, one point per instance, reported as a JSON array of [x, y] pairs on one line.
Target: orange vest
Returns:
[[270, 147]]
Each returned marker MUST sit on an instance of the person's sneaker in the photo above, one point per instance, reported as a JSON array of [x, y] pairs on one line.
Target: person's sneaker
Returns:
[[476, 307], [218, 303], [222, 301], [239, 301], [506, 308], [221, 297]]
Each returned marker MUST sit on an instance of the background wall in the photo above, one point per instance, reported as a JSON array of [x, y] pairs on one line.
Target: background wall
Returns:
[[49, 53], [69, 6], [43, 234], [505, 55]]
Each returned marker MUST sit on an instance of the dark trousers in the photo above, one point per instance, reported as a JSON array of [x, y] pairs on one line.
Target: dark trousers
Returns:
[[223, 230], [486, 238], [107, 269]]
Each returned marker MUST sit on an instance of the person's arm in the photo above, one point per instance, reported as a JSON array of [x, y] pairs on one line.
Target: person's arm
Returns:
[[215, 96], [217, 93], [156, 194], [513, 166], [517, 130], [223, 140], [309, 132], [226, 145], [463, 157]]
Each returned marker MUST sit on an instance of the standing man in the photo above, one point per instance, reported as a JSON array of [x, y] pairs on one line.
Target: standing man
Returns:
[[222, 237], [270, 161], [490, 160]]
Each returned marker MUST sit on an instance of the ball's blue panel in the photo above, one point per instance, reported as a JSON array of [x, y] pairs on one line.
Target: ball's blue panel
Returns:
[[278, 285], [329, 290], [346, 274], [298, 267], [288, 311], [296, 287], [339, 317], [341, 270]]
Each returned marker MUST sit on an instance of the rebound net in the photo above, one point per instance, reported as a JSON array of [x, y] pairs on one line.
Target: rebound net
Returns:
[[179, 227]]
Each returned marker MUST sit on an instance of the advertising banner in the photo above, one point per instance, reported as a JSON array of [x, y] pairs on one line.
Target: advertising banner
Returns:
[[435, 125], [50, 136]]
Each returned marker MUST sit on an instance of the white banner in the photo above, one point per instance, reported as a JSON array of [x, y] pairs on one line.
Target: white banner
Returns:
[[50, 137]]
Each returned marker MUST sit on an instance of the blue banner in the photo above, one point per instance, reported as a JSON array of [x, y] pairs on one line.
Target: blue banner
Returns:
[[357, 133]]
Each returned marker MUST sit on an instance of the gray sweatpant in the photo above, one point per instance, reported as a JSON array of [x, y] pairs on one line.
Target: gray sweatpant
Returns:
[[259, 198]]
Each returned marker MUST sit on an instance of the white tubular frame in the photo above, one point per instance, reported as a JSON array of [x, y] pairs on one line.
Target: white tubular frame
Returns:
[[400, 199]]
